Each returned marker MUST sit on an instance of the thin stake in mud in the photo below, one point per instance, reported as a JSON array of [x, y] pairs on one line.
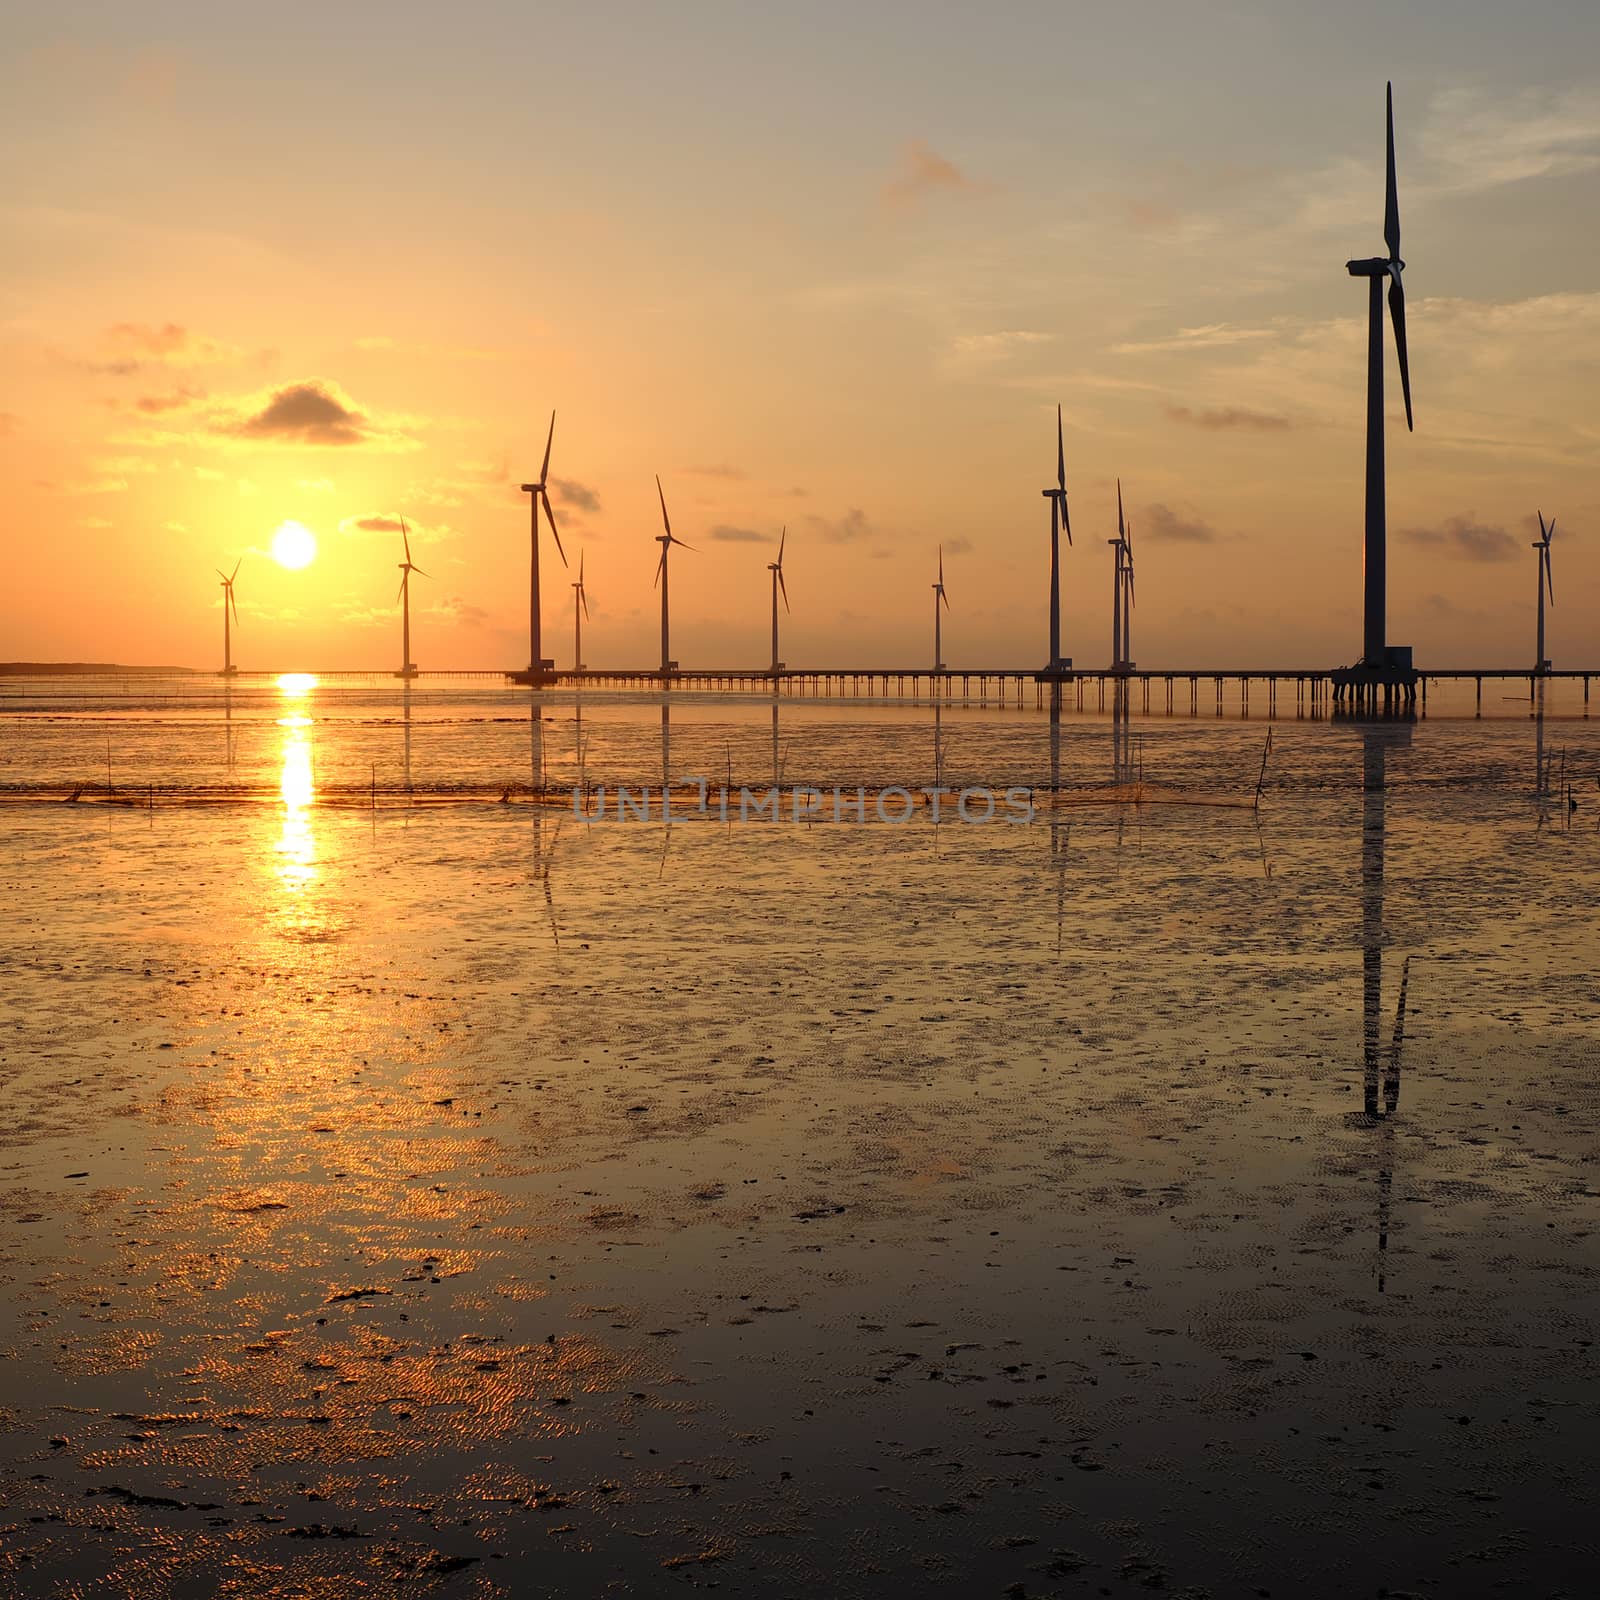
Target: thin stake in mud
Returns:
[[1261, 777]]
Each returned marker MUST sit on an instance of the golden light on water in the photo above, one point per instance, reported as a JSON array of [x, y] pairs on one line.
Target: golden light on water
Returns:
[[296, 848], [294, 546], [295, 685]]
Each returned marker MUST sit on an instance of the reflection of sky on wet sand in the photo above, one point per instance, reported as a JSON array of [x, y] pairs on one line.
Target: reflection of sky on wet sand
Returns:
[[610, 1218]]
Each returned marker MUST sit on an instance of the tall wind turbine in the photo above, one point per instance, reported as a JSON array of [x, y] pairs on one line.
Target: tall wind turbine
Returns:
[[1127, 595], [1391, 667], [1059, 521], [776, 569], [666, 540], [230, 605], [1542, 545], [537, 665], [939, 598], [580, 611], [407, 567]]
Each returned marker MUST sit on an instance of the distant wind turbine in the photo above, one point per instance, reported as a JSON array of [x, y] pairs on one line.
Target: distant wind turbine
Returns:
[[407, 567], [536, 662], [666, 540], [1376, 655], [1059, 521], [939, 597], [1542, 545], [580, 611], [776, 569], [1121, 590], [229, 604]]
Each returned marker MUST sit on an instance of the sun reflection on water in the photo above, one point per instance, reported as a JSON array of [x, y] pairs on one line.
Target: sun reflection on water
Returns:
[[297, 848]]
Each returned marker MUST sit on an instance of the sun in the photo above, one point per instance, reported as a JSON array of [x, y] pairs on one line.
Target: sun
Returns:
[[294, 546]]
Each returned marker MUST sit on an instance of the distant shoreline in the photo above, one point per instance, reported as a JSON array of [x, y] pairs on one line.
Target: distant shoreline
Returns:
[[72, 669]]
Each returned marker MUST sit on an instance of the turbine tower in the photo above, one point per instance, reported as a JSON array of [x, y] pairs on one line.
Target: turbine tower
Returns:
[[939, 597], [1381, 664], [1542, 545], [1127, 594], [580, 611], [666, 540], [538, 667], [1059, 522], [776, 569], [230, 605], [407, 567]]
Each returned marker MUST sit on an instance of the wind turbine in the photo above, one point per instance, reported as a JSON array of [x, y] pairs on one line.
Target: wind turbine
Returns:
[[666, 540], [939, 596], [776, 569], [1127, 600], [1382, 665], [1059, 521], [537, 665], [580, 610], [407, 567], [1121, 589], [229, 604], [1542, 545]]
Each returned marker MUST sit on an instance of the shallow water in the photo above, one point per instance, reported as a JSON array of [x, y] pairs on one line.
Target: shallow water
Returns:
[[480, 1199]]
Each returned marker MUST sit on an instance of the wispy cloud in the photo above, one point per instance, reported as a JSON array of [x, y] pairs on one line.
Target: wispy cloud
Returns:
[[1467, 539], [732, 535], [847, 529], [1477, 139], [129, 347], [1164, 525], [1209, 337], [1230, 417], [579, 496], [922, 171], [733, 474]]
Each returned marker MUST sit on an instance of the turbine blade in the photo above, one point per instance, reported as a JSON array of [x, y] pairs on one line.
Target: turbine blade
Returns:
[[234, 603], [226, 580], [1120, 532], [544, 471], [583, 600], [418, 570], [553, 528], [781, 538], [1544, 537], [783, 589], [665, 523], [941, 566], [1391, 200], [1061, 456], [400, 592], [1397, 315], [684, 543], [660, 566], [406, 537], [1549, 585], [580, 569], [1066, 517], [943, 596], [237, 564]]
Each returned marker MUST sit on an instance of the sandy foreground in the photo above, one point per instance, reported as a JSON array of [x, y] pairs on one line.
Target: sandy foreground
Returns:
[[452, 1201]]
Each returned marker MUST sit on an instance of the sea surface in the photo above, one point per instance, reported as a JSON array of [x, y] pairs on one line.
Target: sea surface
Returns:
[[412, 1182]]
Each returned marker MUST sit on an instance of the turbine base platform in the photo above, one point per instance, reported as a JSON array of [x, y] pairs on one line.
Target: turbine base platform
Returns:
[[540, 677], [1061, 672], [408, 672], [1393, 681]]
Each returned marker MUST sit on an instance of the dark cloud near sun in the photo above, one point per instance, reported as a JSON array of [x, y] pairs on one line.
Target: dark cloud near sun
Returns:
[[1230, 417], [1467, 539], [311, 411], [1166, 526]]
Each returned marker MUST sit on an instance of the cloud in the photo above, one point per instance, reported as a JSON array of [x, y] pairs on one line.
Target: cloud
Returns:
[[981, 348], [923, 171], [135, 346], [732, 535], [311, 411], [731, 473], [1467, 539], [1476, 139], [1166, 526], [315, 485], [849, 528], [376, 522], [1230, 417], [579, 496], [154, 405], [1211, 336]]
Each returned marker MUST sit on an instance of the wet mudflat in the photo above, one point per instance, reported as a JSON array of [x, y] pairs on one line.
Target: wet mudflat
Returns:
[[452, 1201]]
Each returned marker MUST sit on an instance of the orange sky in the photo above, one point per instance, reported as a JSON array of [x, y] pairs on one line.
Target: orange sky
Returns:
[[830, 272]]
